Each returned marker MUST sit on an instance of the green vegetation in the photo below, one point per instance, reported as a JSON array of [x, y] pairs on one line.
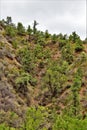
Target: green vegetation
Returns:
[[69, 123], [20, 28], [55, 77], [34, 27], [11, 31], [67, 53], [75, 92], [43, 79], [37, 118]]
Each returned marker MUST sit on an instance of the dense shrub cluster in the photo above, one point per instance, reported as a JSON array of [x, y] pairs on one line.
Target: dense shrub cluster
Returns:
[[37, 118]]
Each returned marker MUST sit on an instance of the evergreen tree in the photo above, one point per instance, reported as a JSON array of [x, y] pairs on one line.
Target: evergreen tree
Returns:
[[74, 37], [20, 28], [29, 30], [11, 31], [54, 38], [78, 45], [67, 53], [8, 20], [75, 91], [34, 27], [47, 34]]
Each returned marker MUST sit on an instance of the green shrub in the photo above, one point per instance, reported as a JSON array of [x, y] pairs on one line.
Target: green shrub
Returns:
[[54, 38], [11, 31], [78, 46], [35, 118], [27, 59], [62, 43], [67, 53], [15, 44], [69, 123], [74, 37], [24, 79], [55, 77], [38, 51]]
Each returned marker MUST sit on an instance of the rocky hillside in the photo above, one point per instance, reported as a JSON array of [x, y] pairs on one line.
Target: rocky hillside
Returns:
[[40, 69]]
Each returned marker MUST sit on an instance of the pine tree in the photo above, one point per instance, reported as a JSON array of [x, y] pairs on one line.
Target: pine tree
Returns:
[[34, 27], [20, 28], [75, 92], [8, 20], [29, 30]]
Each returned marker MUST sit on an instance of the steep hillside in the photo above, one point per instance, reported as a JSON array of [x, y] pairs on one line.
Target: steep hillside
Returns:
[[38, 69]]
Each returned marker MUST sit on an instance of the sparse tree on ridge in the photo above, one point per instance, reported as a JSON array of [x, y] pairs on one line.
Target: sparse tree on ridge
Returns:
[[8, 20], [34, 27], [29, 30], [20, 28]]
